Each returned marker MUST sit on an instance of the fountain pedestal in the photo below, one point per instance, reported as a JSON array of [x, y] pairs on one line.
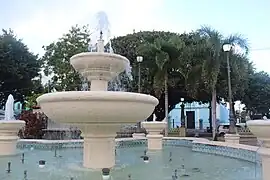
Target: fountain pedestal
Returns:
[[154, 138], [138, 135], [261, 129], [99, 145], [232, 138], [9, 136]]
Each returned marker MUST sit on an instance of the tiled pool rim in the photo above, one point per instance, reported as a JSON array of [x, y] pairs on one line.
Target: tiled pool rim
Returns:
[[238, 151]]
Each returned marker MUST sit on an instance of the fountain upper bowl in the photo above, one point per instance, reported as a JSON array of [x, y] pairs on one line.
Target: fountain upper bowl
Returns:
[[99, 65], [97, 107], [154, 125], [259, 128]]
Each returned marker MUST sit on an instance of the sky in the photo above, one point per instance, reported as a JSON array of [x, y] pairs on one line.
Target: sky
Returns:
[[41, 22]]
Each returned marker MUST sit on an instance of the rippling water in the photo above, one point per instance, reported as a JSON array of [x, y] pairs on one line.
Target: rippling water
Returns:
[[197, 166]]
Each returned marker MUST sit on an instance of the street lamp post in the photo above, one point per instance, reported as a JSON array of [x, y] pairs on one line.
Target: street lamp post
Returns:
[[182, 112], [139, 60], [227, 48]]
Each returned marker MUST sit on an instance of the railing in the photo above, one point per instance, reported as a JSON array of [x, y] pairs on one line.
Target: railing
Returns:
[[244, 131]]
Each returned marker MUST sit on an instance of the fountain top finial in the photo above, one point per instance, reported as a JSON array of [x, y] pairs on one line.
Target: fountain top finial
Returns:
[[100, 44], [101, 35]]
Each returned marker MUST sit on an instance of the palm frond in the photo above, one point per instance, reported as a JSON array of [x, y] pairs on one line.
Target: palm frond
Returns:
[[238, 40], [162, 58]]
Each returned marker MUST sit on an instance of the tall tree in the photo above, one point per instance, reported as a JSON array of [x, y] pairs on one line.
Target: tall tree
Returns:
[[57, 56], [257, 96], [132, 45], [212, 64], [167, 56], [18, 68]]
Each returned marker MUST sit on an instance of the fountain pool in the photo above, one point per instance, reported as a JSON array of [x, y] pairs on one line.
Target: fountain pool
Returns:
[[68, 162]]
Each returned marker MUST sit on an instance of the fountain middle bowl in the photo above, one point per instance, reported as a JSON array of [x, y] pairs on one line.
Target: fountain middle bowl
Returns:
[[97, 107]]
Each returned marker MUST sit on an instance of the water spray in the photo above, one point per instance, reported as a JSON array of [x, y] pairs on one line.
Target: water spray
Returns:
[[22, 158], [41, 163], [170, 157], [105, 173], [8, 167], [146, 159], [183, 171], [25, 175], [175, 175], [55, 152]]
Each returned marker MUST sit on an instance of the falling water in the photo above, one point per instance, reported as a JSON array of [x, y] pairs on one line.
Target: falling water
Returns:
[[102, 25], [9, 111], [154, 117], [85, 85]]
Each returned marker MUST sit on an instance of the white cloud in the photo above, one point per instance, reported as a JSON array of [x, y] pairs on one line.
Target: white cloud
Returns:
[[48, 24], [261, 59]]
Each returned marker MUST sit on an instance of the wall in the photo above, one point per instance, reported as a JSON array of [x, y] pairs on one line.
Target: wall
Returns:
[[201, 112]]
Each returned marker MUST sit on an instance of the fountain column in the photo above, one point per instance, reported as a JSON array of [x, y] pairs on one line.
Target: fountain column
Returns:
[[99, 140], [154, 136], [261, 128], [99, 146]]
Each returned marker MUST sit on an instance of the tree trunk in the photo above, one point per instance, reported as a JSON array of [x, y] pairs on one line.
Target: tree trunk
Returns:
[[210, 116], [166, 102], [233, 108], [214, 112]]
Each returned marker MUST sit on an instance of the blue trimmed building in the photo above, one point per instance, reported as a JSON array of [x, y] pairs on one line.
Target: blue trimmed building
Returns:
[[197, 115]]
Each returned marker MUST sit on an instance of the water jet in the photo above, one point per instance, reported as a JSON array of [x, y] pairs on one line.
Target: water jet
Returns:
[[9, 128]]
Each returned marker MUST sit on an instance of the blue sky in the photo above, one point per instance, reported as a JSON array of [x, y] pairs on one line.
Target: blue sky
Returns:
[[41, 22]]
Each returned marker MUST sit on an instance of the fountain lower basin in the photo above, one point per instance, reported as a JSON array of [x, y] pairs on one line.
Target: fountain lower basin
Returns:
[[99, 115], [68, 162], [261, 129], [93, 107], [9, 136]]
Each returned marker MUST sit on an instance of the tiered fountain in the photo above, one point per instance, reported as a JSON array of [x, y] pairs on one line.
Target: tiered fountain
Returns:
[[9, 128], [154, 136], [261, 129], [98, 113]]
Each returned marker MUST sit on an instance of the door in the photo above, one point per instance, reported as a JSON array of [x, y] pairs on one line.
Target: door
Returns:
[[190, 119]]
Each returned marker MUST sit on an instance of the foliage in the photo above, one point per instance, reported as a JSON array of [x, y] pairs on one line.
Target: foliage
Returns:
[[18, 68], [180, 80], [31, 100], [216, 58], [257, 95], [34, 124], [199, 67], [57, 56]]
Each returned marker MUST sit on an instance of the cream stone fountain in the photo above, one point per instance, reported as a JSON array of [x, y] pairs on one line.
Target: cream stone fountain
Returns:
[[261, 129], [9, 128], [154, 138], [98, 113]]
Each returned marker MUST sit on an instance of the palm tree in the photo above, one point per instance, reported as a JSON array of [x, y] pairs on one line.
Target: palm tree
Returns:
[[211, 66], [167, 53]]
